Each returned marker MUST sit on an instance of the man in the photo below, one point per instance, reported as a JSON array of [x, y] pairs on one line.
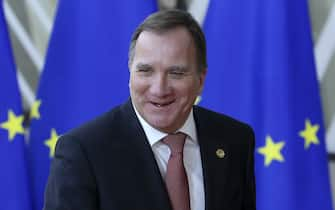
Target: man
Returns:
[[126, 159]]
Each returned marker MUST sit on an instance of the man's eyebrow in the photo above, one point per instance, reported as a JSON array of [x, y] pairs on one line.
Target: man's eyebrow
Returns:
[[143, 66], [179, 68]]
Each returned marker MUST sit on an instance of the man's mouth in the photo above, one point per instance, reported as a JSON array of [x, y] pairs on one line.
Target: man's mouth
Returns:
[[162, 104]]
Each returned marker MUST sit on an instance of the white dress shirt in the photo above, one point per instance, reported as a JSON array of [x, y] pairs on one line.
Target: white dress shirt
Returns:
[[192, 158]]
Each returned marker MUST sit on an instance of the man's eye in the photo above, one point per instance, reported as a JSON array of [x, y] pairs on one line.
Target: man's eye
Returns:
[[143, 70], [177, 73]]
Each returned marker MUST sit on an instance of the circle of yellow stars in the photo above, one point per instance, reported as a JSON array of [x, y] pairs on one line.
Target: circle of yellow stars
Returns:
[[52, 140], [272, 151], [14, 126]]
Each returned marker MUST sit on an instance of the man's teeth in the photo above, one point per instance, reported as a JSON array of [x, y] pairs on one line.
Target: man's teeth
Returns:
[[160, 105]]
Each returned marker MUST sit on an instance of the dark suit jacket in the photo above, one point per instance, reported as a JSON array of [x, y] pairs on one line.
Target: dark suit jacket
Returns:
[[108, 164]]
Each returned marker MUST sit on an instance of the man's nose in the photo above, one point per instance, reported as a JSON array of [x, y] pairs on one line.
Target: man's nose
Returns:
[[160, 86]]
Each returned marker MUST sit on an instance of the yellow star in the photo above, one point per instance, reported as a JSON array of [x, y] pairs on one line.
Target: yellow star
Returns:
[[13, 125], [309, 134], [34, 112], [197, 100], [272, 151], [51, 142]]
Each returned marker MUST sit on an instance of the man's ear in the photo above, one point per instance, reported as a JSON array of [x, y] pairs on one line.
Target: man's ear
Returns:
[[202, 78]]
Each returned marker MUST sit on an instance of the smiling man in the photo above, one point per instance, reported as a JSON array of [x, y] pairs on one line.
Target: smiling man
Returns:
[[165, 80], [158, 151]]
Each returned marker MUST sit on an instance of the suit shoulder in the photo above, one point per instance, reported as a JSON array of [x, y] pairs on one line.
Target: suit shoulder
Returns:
[[105, 126], [100, 123], [217, 120]]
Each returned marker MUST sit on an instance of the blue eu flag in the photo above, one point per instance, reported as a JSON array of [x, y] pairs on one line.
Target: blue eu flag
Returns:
[[85, 73], [14, 185], [261, 70]]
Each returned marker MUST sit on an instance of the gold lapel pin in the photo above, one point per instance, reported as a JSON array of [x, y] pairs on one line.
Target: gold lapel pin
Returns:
[[220, 153]]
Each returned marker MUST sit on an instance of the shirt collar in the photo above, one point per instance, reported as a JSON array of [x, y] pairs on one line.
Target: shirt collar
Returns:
[[153, 135]]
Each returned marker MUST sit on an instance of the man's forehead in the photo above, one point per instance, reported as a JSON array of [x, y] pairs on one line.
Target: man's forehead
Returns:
[[176, 40]]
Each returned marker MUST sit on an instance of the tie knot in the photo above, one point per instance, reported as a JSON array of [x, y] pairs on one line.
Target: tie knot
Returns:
[[175, 142]]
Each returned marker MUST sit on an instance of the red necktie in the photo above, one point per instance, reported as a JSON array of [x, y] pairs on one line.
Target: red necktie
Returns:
[[176, 179]]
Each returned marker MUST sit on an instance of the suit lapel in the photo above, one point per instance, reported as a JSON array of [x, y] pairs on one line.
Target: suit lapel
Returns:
[[145, 163], [214, 165]]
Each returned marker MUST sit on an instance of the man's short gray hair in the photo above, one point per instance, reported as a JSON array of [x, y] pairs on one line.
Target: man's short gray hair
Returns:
[[165, 20]]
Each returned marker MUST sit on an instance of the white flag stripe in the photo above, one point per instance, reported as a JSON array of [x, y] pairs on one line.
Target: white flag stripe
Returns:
[[324, 51], [198, 9], [325, 46], [26, 91], [44, 19], [23, 37], [330, 136]]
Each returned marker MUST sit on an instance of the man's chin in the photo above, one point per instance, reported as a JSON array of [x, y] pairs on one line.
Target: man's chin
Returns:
[[163, 125]]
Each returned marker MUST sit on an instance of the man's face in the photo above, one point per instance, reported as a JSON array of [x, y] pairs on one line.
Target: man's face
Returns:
[[164, 81]]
